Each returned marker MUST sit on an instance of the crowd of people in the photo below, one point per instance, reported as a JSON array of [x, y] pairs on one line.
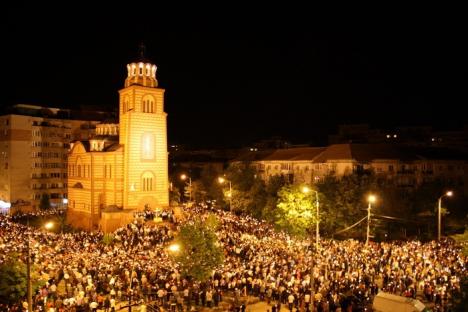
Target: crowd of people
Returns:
[[83, 272]]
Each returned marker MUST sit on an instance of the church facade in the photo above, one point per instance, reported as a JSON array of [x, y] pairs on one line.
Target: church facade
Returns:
[[124, 167]]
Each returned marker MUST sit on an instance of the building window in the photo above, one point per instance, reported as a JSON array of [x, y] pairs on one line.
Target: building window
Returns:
[[147, 146], [147, 184], [148, 104], [147, 181], [107, 171]]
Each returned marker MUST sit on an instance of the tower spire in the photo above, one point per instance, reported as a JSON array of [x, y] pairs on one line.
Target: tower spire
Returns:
[[142, 52], [141, 71]]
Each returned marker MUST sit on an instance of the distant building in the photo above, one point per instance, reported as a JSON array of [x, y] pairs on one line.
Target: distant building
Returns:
[[124, 167], [405, 166], [34, 143]]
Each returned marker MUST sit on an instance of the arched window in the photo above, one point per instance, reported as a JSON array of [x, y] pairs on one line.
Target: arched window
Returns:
[[125, 104], [77, 185], [147, 181], [148, 104], [147, 146]]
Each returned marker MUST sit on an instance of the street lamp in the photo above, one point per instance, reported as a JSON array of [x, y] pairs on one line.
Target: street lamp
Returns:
[[306, 190], [49, 225], [371, 199], [184, 177], [439, 216], [174, 248], [221, 180], [28, 269]]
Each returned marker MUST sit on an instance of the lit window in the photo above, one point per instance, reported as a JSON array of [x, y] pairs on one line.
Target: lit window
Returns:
[[147, 146]]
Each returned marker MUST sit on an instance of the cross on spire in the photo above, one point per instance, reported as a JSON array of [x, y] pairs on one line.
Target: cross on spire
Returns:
[[142, 51]]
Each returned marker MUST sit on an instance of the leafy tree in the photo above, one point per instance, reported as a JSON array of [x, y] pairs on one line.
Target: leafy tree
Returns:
[[13, 284], [174, 196], [199, 192], [272, 187], [45, 202], [13, 281], [107, 239], [344, 200], [200, 251], [248, 189], [462, 239], [296, 211]]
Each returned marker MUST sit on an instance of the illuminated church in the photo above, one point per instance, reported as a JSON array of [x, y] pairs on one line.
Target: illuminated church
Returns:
[[123, 167]]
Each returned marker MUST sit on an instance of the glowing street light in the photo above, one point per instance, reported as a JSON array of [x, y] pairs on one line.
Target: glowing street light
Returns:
[[439, 216], [371, 199], [222, 180], [174, 248], [49, 225], [184, 177]]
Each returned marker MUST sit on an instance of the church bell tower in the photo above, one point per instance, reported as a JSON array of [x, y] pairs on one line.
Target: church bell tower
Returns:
[[143, 133]]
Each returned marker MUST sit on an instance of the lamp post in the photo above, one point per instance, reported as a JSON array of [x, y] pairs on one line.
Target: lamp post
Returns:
[[48, 226], [221, 180], [439, 216], [28, 270], [184, 177], [306, 190], [371, 199]]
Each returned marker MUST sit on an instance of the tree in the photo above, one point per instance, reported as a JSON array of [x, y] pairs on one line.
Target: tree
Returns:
[[296, 211], [174, 196], [344, 200], [108, 239], [272, 187], [248, 189], [13, 281], [45, 202], [200, 252], [209, 187]]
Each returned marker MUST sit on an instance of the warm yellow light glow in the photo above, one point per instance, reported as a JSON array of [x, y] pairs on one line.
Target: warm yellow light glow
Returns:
[[49, 225], [174, 247], [147, 145], [229, 194], [183, 176], [371, 199], [221, 180], [305, 189], [449, 193]]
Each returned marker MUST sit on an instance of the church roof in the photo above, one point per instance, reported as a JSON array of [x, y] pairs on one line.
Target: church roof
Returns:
[[113, 147]]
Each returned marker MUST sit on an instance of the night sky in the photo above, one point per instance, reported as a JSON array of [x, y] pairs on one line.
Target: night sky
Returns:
[[231, 81]]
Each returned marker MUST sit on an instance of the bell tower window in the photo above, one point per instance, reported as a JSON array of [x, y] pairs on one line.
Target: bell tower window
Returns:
[[148, 105], [147, 181], [147, 146]]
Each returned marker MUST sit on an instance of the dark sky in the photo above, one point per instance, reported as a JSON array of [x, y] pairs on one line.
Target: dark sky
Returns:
[[233, 80]]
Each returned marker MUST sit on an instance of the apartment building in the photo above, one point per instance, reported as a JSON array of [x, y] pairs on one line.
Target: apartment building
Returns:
[[34, 145], [405, 166]]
